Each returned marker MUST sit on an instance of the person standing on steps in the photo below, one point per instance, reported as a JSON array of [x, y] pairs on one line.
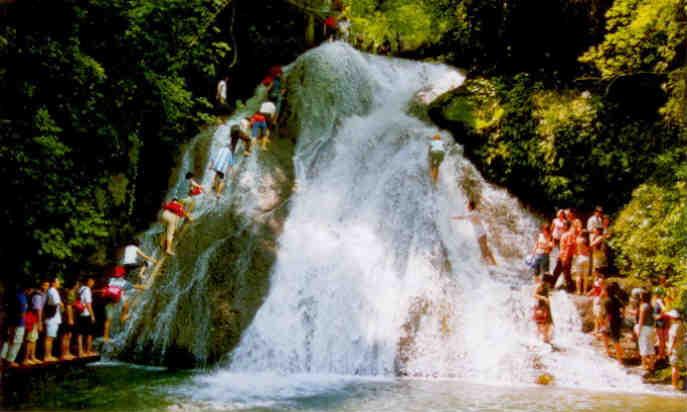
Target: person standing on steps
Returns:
[[221, 164], [18, 305], [646, 331], [676, 349], [135, 259], [611, 329], [172, 213], [437, 152], [86, 320], [565, 255], [53, 319], [480, 233]]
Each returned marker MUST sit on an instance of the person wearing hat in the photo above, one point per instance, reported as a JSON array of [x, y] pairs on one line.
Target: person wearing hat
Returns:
[[437, 152], [676, 346]]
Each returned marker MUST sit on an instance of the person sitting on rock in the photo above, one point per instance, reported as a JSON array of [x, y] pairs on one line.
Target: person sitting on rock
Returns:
[[437, 152]]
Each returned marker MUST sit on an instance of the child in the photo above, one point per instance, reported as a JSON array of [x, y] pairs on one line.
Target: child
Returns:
[[542, 313]]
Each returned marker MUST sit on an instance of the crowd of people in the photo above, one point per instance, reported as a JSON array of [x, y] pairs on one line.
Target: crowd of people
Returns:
[[579, 254]]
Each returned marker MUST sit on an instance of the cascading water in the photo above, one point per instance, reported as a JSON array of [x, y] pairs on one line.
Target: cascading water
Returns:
[[372, 277]]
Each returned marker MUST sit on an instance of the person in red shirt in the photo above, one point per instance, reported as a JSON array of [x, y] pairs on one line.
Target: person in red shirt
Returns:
[[259, 124], [567, 251], [172, 213]]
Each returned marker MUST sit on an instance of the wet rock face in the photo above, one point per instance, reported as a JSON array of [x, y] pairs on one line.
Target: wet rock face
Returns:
[[205, 296], [585, 306]]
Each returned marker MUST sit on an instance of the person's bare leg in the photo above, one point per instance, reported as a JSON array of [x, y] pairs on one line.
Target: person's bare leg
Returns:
[[106, 330], [171, 227], [619, 355], [89, 346], [486, 252], [675, 378], [125, 311], [79, 345], [47, 354]]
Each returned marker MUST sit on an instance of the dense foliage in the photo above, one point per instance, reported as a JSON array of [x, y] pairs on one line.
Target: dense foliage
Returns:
[[96, 99]]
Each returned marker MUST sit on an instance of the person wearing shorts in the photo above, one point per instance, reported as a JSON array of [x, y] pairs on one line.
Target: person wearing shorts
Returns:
[[677, 352], [53, 319], [259, 125], [437, 152], [646, 332], [172, 213], [134, 258], [221, 163], [86, 319], [581, 263]]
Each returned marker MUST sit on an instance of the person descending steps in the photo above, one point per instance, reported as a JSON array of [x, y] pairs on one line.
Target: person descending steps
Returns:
[[437, 152]]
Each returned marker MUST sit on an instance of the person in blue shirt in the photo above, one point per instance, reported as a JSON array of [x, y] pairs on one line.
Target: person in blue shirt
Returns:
[[15, 334]]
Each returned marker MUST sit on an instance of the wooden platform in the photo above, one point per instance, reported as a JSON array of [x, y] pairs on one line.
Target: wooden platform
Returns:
[[45, 366]]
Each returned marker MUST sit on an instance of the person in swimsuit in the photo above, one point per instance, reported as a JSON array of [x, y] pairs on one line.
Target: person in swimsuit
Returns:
[[480, 233]]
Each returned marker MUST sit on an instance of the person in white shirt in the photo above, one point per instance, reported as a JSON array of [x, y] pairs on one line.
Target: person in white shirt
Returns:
[[134, 258], [86, 320], [480, 233], [53, 318], [221, 94], [597, 220], [437, 152]]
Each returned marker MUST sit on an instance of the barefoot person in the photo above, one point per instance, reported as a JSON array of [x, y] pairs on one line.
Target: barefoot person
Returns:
[[611, 328], [68, 327], [16, 311], [676, 349], [221, 164], [646, 331], [53, 318], [437, 153], [480, 233], [172, 213], [86, 319]]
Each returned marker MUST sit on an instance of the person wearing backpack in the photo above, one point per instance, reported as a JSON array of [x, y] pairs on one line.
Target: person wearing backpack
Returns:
[[114, 295], [52, 318], [86, 318]]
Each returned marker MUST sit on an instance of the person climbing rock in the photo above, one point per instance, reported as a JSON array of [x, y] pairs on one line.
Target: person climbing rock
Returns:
[[114, 296], [135, 259], [480, 233], [329, 29], [195, 189], [221, 164], [172, 213], [260, 131], [437, 152], [239, 132], [269, 109]]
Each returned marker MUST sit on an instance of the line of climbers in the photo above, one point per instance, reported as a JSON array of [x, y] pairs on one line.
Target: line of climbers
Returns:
[[86, 307]]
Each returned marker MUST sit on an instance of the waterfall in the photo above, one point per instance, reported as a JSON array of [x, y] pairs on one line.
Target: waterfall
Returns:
[[372, 277]]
